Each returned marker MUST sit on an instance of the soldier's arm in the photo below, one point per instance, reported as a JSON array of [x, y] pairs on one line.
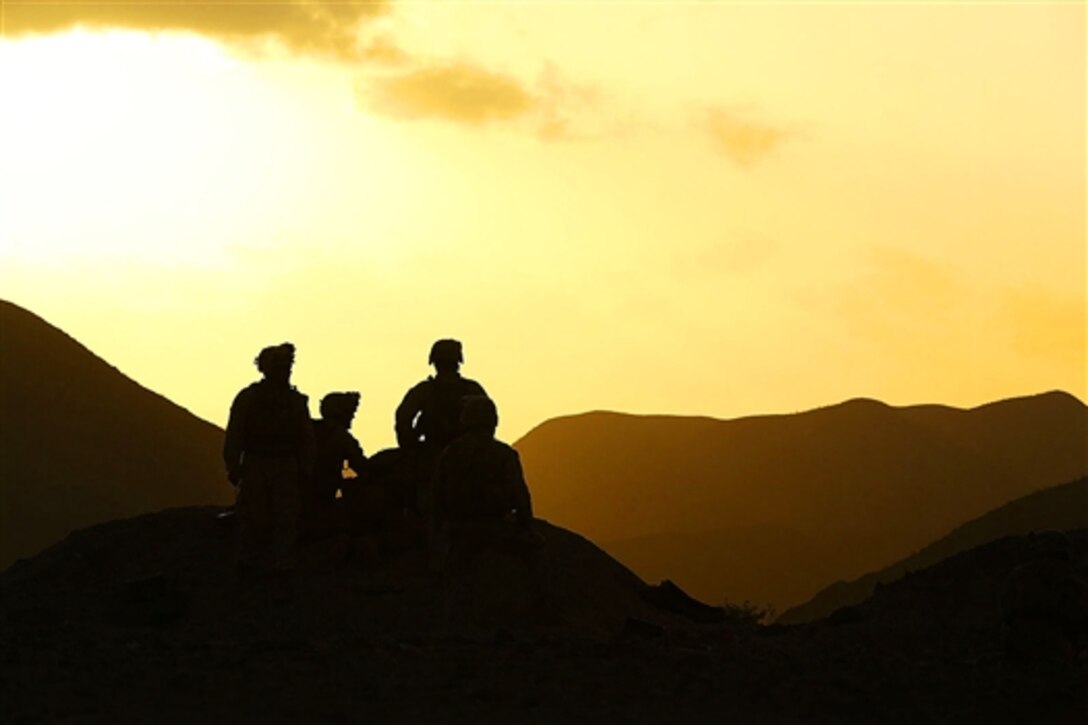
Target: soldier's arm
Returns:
[[353, 454], [304, 432], [405, 417], [523, 502], [233, 443]]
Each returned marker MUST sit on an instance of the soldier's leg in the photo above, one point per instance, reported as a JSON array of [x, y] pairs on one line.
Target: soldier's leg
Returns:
[[284, 488], [253, 511]]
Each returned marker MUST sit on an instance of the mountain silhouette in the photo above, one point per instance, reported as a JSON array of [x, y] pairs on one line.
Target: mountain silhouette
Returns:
[[838, 491], [81, 443], [1059, 507], [141, 620]]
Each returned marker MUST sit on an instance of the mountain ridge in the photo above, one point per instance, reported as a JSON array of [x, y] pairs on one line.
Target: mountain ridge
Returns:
[[1060, 507], [895, 478], [83, 443]]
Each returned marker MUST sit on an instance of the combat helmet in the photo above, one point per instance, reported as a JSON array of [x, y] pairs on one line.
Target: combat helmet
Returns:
[[446, 350], [340, 406], [275, 356]]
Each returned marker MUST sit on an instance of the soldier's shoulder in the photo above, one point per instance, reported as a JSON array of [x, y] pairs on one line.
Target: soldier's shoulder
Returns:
[[346, 439], [471, 385], [420, 388], [504, 449], [247, 393]]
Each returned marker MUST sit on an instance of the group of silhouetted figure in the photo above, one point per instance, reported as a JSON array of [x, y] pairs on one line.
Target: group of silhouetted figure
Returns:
[[452, 488], [449, 486]]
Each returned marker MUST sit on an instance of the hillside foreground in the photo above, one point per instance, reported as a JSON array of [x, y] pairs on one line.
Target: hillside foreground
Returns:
[[141, 620]]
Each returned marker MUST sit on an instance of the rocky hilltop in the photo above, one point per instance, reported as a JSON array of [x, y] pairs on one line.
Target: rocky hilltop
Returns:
[[140, 620]]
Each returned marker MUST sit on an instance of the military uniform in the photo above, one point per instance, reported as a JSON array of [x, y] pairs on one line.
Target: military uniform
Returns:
[[429, 415], [480, 479], [268, 452], [335, 446], [480, 500]]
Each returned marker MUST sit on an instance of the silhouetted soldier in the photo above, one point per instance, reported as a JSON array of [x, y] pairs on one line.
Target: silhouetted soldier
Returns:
[[1044, 605], [268, 452], [480, 496], [429, 416], [335, 448]]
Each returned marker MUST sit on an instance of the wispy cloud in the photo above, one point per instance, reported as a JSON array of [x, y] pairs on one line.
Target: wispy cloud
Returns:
[[404, 83], [320, 27], [383, 50], [744, 139], [461, 91], [452, 91]]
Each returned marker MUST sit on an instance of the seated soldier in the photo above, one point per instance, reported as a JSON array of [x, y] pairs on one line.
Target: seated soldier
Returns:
[[480, 499], [335, 448]]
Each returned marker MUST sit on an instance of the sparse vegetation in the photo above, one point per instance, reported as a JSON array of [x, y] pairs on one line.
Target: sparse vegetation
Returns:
[[747, 613]]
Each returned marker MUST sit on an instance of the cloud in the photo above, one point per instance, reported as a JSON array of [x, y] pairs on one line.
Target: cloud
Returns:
[[383, 50], [411, 88], [459, 92], [743, 139], [320, 27]]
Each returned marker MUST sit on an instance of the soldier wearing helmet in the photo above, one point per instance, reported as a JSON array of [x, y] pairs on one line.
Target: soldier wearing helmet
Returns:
[[428, 418], [337, 451], [1044, 604], [268, 453]]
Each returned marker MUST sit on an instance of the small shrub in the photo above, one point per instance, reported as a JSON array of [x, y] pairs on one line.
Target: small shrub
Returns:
[[747, 613]]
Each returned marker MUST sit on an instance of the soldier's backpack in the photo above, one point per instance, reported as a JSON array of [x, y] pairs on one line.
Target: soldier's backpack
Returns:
[[440, 416], [274, 420]]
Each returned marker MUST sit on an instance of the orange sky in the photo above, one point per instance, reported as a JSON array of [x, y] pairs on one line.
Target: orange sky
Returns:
[[716, 208]]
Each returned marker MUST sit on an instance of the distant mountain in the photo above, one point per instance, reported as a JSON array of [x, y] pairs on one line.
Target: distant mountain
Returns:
[[861, 483], [1060, 507], [81, 443]]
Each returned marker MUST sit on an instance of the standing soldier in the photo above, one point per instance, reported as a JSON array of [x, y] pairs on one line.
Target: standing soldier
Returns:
[[429, 417], [268, 453]]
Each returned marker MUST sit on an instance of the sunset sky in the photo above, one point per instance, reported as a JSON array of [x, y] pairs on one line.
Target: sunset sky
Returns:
[[708, 208]]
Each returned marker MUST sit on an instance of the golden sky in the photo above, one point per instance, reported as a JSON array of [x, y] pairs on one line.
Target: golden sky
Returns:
[[695, 208]]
